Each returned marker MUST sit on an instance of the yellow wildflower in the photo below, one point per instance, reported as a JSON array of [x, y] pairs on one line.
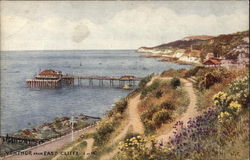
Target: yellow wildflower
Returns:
[[224, 116], [234, 105]]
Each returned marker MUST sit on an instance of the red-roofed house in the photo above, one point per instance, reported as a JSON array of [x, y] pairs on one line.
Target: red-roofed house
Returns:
[[212, 63]]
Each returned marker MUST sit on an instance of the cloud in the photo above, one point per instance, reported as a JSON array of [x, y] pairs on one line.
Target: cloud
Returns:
[[80, 32], [127, 29]]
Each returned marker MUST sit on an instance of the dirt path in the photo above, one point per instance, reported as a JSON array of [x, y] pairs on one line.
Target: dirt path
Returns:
[[134, 117], [134, 121], [121, 135], [88, 150], [190, 113], [51, 146]]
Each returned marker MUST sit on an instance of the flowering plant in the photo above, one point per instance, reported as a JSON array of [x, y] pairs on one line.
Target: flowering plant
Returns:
[[240, 90]]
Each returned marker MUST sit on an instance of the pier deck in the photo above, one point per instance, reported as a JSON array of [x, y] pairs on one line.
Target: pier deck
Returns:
[[60, 80]]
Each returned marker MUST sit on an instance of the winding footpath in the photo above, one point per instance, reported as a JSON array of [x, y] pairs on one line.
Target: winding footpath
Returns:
[[190, 113], [90, 143], [135, 121]]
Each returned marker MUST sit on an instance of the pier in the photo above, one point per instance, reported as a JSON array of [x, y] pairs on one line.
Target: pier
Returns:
[[53, 79]]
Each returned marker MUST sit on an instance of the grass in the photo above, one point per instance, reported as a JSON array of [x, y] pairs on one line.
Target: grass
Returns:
[[153, 112], [162, 103], [100, 151]]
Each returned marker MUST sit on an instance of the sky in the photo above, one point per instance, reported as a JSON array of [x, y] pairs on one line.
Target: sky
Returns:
[[80, 25]]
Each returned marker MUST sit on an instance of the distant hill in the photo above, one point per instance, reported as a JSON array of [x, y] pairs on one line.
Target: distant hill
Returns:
[[221, 46], [200, 37], [181, 44]]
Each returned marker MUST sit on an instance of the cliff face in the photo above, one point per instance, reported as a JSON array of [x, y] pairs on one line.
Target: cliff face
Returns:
[[221, 46]]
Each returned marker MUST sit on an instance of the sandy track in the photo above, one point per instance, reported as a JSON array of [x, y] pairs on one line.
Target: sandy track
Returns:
[[134, 121], [134, 117], [90, 143], [190, 113]]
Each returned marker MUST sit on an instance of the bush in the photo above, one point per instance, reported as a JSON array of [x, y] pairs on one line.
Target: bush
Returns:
[[167, 105], [149, 89], [144, 82], [121, 105], [175, 82], [193, 71], [131, 135], [210, 80], [240, 90], [104, 130], [158, 94], [161, 117]]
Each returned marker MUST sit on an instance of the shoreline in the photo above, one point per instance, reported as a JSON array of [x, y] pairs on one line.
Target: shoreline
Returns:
[[169, 59], [47, 131]]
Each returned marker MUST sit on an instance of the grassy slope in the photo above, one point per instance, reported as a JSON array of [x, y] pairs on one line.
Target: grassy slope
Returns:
[[236, 146]]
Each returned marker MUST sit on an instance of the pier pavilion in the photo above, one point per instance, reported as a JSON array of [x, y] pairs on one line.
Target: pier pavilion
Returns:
[[53, 79]]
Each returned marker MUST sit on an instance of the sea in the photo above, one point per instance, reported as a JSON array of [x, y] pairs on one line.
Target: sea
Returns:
[[23, 107]]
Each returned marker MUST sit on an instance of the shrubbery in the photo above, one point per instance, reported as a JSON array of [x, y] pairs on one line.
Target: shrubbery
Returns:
[[139, 148], [219, 133], [149, 89], [104, 130], [175, 82], [155, 116], [160, 117], [144, 82], [240, 89], [207, 77], [193, 71]]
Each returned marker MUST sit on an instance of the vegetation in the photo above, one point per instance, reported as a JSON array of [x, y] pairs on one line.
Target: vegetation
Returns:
[[153, 89], [220, 132], [161, 102], [222, 44], [144, 82], [119, 107], [175, 82]]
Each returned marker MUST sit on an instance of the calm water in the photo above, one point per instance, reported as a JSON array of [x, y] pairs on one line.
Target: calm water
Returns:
[[22, 107]]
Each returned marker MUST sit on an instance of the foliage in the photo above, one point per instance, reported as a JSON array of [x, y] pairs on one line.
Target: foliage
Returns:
[[161, 117], [192, 72], [119, 107], [104, 130], [149, 89], [207, 77], [159, 94], [222, 44], [222, 100], [240, 89], [169, 73], [144, 82], [155, 116], [167, 105], [175, 82], [138, 148], [206, 138]]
